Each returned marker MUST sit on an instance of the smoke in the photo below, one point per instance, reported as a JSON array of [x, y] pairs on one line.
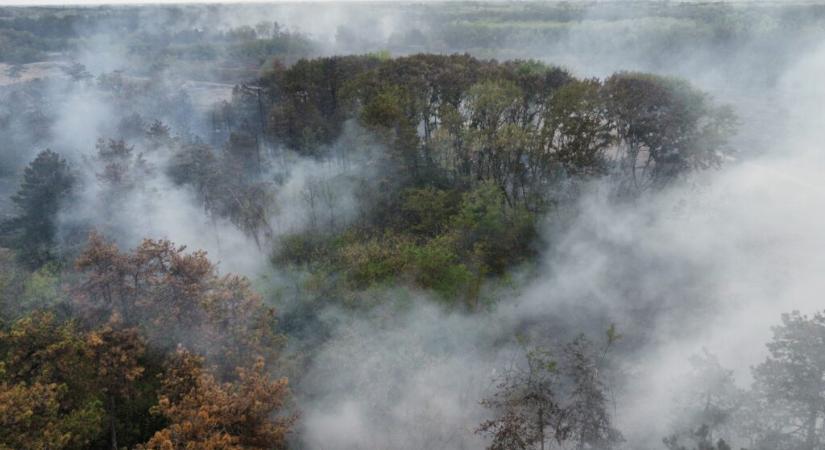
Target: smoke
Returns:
[[754, 232], [711, 263], [75, 112], [409, 378]]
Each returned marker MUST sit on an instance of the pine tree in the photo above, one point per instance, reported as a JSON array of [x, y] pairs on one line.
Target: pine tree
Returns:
[[46, 182]]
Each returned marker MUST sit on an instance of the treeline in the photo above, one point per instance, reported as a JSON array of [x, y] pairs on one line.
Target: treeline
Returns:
[[220, 55], [460, 120], [474, 152], [29, 36], [155, 38]]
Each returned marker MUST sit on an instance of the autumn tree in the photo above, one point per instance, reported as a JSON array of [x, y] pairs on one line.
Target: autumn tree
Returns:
[[117, 352], [47, 182], [97, 374], [246, 414], [48, 394], [31, 418], [176, 298]]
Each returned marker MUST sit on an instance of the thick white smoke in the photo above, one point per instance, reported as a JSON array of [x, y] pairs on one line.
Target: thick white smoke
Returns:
[[709, 264]]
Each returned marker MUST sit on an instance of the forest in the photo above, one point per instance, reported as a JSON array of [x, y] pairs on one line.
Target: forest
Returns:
[[438, 225]]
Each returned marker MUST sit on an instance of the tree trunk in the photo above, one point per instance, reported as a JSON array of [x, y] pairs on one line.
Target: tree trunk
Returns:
[[112, 422], [541, 428]]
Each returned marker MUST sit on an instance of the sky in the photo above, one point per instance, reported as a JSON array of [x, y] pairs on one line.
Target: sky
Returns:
[[134, 2], [165, 2], [115, 2], [137, 2]]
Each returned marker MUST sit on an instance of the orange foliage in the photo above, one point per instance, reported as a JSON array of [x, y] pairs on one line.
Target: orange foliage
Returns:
[[208, 415], [176, 298]]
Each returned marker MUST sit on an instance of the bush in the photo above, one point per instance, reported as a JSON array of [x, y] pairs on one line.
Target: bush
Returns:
[[437, 266], [375, 260]]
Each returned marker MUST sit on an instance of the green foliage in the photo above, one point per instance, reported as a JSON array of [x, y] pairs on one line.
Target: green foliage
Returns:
[[428, 210], [487, 226], [386, 109], [612, 335], [47, 181], [471, 153], [577, 128], [41, 289], [303, 249], [11, 284], [374, 260], [437, 266], [443, 242], [527, 127]]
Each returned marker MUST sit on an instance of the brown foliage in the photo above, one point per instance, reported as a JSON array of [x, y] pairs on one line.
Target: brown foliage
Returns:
[[176, 298], [47, 386], [209, 415], [29, 417]]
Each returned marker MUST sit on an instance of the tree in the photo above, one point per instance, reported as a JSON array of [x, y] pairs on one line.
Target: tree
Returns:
[[587, 406], [158, 134], [120, 167], [47, 182], [117, 351], [48, 395], [226, 183], [576, 132], [541, 402], [527, 411], [31, 418], [175, 298], [76, 71], [711, 401], [427, 210], [665, 129], [497, 233], [792, 377], [247, 414]]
